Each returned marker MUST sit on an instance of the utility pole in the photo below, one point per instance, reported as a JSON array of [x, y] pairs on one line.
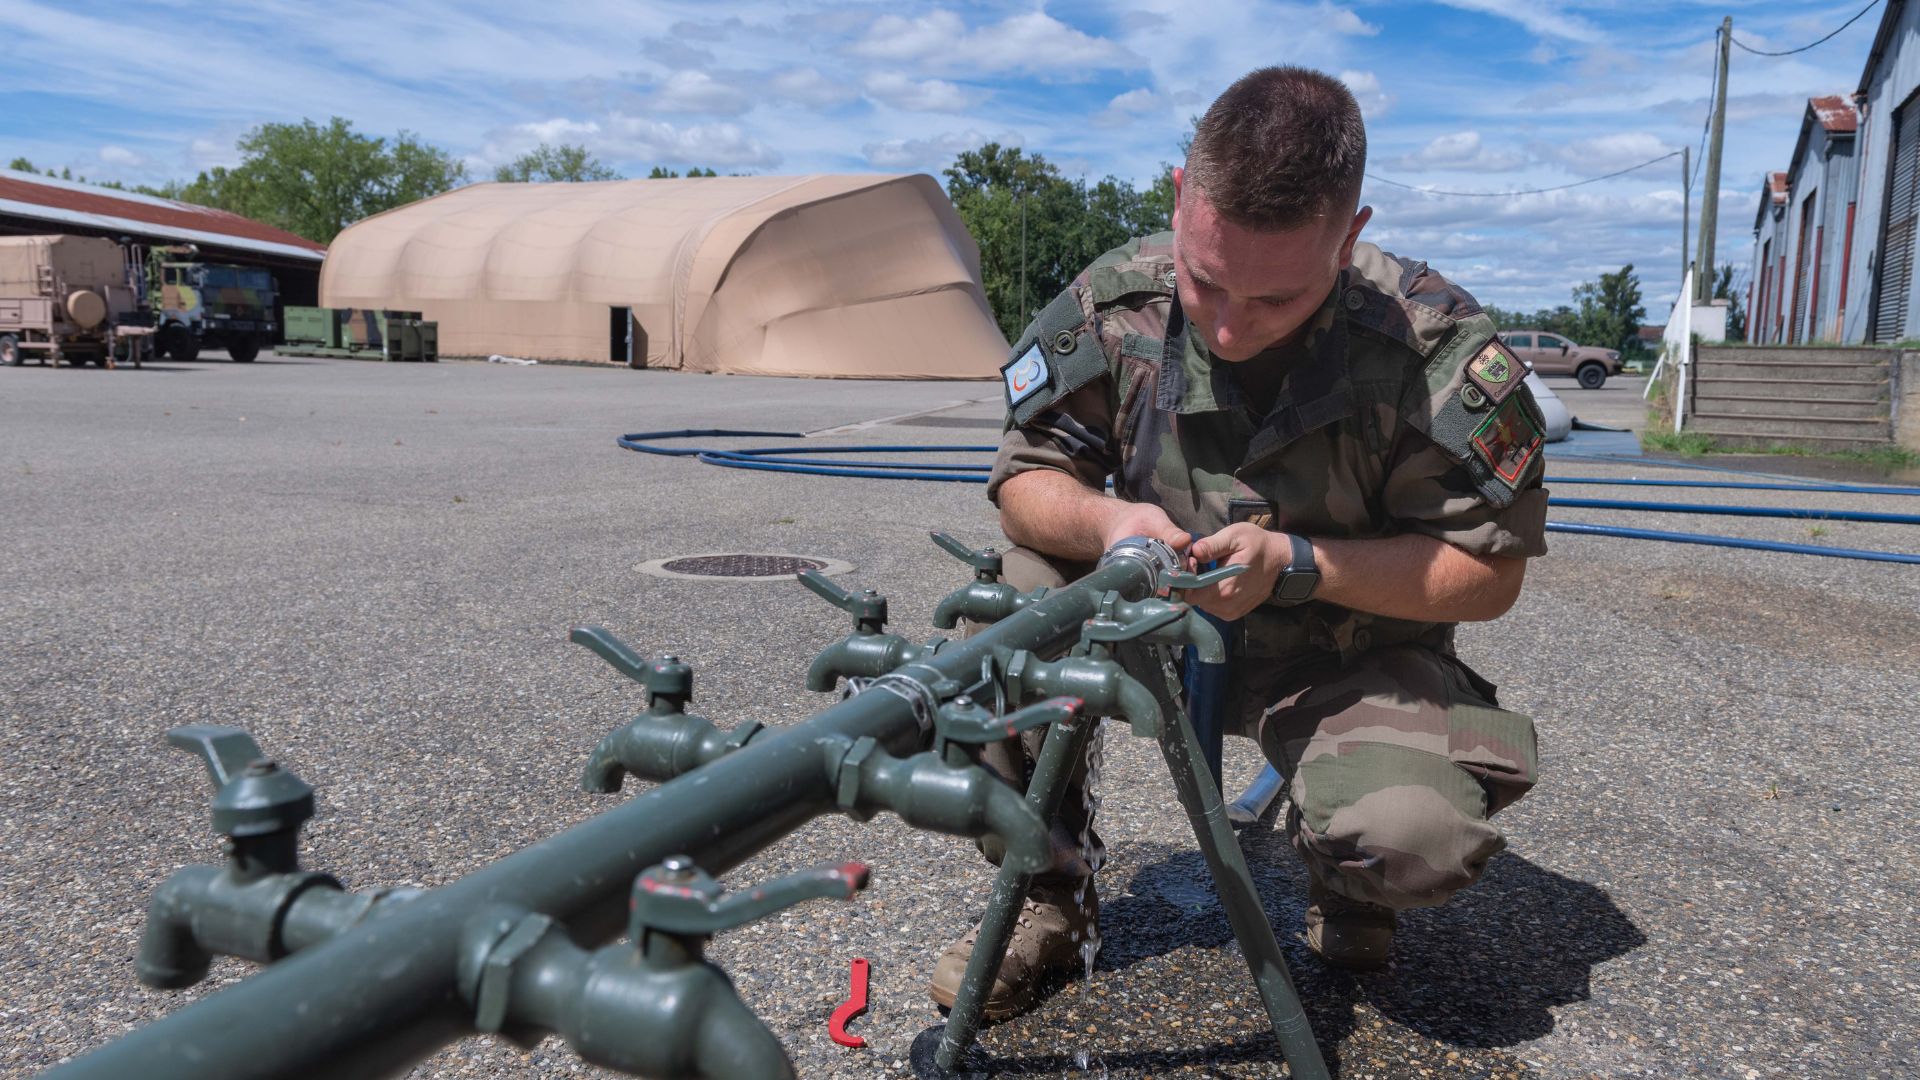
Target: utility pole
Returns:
[[1686, 208], [1710, 198]]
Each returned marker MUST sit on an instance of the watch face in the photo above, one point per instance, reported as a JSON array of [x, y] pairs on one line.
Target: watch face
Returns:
[[1297, 585]]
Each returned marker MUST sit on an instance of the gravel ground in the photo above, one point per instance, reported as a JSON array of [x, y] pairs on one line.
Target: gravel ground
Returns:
[[373, 568]]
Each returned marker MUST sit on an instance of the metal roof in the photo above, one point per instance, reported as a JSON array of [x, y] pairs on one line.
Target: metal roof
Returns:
[[1835, 113], [44, 198]]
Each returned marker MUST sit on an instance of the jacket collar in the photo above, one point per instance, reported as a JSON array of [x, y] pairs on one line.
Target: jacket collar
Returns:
[[1317, 391]]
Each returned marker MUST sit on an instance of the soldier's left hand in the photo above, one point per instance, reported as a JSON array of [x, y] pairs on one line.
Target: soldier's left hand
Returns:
[[1263, 552]]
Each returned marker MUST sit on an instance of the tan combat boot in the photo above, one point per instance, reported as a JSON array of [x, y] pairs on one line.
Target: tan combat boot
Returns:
[[1047, 938], [1350, 934]]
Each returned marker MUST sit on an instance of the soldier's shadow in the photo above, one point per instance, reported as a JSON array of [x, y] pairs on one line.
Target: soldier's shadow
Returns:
[[1484, 970]]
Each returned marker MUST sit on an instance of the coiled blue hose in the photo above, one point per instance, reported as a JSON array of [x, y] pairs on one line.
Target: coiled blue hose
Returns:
[[647, 442]]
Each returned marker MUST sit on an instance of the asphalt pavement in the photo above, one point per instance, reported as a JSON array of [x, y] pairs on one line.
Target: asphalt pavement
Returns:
[[373, 568]]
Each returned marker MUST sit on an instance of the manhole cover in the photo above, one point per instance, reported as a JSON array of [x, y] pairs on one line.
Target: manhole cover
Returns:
[[742, 566]]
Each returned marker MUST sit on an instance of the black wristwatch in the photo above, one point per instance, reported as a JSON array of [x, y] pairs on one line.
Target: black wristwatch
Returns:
[[1300, 577]]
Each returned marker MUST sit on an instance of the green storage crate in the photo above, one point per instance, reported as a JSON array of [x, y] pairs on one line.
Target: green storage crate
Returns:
[[311, 326]]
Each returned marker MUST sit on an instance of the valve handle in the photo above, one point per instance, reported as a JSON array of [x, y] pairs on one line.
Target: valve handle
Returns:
[[824, 587], [227, 751], [868, 608], [963, 721], [1182, 582], [677, 897], [987, 561], [612, 650], [1109, 631]]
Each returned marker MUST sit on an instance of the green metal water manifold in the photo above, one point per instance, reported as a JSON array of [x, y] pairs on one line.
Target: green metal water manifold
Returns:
[[366, 983]]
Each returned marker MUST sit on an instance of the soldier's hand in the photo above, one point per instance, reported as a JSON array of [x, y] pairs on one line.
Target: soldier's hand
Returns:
[[1264, 553], [1144, 519]]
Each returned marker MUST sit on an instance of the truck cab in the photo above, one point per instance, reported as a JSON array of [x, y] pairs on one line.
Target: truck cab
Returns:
[[197, 304]]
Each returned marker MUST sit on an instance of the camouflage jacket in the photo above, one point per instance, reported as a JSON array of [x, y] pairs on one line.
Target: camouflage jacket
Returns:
[[1399, 412]]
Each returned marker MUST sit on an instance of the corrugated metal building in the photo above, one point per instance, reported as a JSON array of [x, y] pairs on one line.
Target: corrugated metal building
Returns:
[[31, 204], [1804, 232], [1767, 248], [1881, 305]]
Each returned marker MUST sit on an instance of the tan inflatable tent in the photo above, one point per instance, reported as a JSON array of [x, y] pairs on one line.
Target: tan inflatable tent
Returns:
[[837, 276]]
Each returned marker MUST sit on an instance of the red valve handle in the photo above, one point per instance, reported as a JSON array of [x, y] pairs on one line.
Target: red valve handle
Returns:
[[852, 1007]]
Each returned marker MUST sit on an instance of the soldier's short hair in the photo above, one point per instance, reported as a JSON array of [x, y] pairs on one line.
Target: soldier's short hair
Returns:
[[1281, 147]]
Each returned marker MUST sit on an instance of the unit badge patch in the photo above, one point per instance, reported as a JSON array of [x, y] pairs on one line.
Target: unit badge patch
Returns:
[[1508, 441], [1025, 375], [1496, 371]]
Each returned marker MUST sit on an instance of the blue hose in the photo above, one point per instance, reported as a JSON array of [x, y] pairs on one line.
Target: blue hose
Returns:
[[1739, 511], [646, 442], [1730, 542]]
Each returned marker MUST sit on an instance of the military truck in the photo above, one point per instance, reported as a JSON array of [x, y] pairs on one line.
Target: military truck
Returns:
[[197, 304], [69, 298]]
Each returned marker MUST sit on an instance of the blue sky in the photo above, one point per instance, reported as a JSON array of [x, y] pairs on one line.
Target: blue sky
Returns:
[[1472, 95]]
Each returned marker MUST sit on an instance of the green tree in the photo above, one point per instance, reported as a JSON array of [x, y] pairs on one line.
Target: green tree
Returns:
[[1736, 312], [315, 180], [545, 164], [1610, 314], [1036, 229], [658, 173], [21, 164]]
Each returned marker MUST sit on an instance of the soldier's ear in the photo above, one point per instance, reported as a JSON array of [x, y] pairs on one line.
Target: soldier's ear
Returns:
[[1179, 181], [1360, 219]]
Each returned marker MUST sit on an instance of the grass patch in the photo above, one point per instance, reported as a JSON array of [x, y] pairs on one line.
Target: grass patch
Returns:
[[1684, 443], [1889, 458]]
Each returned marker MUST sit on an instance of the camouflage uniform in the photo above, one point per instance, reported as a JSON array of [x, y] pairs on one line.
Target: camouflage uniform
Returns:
[[1398, 412]]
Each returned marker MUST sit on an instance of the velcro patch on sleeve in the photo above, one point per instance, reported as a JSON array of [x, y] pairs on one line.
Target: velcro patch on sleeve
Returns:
[[1508, 441], [1496, 371], [1026, 375]]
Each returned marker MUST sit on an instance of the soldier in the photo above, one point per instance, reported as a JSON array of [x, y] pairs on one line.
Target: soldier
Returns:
[[1343, 422]]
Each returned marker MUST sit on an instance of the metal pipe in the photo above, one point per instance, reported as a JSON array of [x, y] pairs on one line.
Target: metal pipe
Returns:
[[383, 994]]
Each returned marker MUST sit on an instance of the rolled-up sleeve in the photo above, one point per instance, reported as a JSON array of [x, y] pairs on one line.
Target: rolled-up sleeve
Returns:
[[1073, 436], [1429, 492]]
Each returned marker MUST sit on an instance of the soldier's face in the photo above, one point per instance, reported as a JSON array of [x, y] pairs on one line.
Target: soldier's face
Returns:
[[1247, 291]]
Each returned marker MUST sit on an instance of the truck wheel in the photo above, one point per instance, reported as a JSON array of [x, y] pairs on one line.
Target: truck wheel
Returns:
[[243, 350], [10, 351], [1591, 376], [180, 344]]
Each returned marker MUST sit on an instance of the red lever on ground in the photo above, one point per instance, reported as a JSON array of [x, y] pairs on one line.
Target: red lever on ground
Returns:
[[852, 1007]]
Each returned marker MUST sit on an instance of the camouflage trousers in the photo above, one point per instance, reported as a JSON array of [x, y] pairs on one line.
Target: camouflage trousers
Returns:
[[1394, 762]]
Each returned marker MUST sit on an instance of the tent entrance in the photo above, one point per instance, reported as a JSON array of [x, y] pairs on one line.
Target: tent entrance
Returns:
[[626, 341]]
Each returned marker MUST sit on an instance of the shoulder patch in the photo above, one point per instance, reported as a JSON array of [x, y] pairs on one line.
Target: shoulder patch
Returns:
[[1026, 374], [1507, 441], [1495, 370], [1057, 355]]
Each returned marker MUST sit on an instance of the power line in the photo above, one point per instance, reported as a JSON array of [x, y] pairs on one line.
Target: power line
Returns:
[[1527, 191], [1804, 48]]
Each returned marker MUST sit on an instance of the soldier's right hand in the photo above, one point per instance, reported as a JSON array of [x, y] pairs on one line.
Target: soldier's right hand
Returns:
[[1144, 519]]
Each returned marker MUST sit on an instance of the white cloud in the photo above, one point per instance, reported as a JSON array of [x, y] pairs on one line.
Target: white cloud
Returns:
[[917, 95], [121, 156], [1330, 16], [701, 144], [699, 92], [1539, 16], [931, 153], [806, 86], [1129, 107], [1606, 153], [1460, 150], [1034, 43], [1373, 98]]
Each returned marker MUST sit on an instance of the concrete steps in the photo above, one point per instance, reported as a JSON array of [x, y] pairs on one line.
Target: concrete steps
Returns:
[[1830, 399], [1801, 409]]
